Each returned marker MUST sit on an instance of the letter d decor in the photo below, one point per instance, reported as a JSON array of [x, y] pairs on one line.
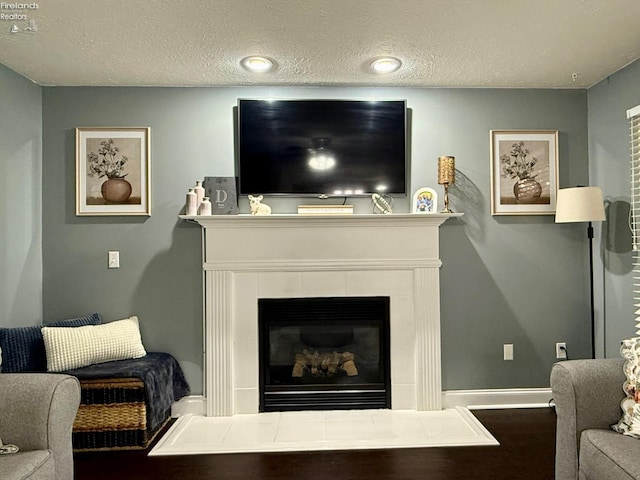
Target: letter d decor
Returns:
[[222, 193]]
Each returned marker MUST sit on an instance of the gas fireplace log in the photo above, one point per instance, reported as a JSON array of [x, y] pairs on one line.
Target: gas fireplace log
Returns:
[[324, 364], [299, 366]]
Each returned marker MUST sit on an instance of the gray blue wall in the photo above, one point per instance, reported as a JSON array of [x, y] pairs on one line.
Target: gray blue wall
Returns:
[[521, 280], [20, 200], [518, 279], [608, 102]]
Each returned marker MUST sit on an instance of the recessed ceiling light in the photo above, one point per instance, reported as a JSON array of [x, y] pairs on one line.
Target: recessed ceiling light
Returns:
[[385, 65], [257, 64]]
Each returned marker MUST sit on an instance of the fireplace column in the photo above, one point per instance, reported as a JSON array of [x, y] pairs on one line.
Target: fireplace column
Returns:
[[428, 354], [218, 343]]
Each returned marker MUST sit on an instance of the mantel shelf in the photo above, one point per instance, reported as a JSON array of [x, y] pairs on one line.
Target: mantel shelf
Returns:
[[320, 220]]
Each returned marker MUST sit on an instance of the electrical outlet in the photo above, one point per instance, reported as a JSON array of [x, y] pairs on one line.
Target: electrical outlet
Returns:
[[114, 259], [561, 350], [507, 350]]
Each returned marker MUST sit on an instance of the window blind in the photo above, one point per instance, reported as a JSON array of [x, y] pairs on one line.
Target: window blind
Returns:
[[633, 115]]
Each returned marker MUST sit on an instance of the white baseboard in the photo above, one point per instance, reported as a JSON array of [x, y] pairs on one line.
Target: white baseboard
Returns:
[[498, 398], [193, 404], [471, 399]]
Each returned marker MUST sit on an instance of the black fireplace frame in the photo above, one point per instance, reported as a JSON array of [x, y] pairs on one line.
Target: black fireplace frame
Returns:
[[360, 311]]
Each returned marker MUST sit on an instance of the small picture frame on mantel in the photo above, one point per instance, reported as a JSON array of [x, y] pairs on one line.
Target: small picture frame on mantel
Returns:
[[222, 193], [425, 200]]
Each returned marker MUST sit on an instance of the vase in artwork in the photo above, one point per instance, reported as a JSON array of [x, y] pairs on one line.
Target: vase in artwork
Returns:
[[527, 190], [116, 190]]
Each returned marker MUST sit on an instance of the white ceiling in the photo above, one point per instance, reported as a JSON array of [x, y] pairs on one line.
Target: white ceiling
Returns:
[[442, 43]]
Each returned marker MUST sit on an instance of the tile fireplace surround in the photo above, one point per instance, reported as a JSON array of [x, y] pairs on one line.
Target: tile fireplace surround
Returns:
[[290, 256]]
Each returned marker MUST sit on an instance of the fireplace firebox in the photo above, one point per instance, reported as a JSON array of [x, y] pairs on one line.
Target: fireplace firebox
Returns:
[[324, 353]]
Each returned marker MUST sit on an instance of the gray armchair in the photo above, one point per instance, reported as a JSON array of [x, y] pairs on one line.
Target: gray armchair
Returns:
[[37, 411], [587, 394]]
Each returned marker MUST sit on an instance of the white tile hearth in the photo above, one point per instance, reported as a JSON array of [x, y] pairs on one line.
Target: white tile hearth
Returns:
[[317, 430]]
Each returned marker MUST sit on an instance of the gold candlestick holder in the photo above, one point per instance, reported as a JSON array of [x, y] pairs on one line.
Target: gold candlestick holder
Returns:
[[446, 177]]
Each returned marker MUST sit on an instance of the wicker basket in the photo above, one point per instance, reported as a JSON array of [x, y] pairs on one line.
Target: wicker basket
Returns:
[[112, 416]]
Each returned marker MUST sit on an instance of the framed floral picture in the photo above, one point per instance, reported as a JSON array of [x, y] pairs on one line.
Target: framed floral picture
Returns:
[[112, 171], [425, 200], [524, 172]]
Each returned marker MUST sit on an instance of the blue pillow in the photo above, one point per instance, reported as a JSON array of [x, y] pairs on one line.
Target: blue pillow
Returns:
[[23, 347]]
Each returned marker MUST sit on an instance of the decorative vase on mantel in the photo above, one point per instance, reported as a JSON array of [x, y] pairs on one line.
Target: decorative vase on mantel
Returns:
[[116, 190], [199, 189], [527, 190], [205, 207]]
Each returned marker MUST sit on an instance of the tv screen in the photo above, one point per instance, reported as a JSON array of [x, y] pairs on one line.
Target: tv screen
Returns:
[[322, 147]]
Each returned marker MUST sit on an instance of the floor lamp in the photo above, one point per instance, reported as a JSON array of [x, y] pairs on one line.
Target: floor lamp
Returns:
[[583, 204]]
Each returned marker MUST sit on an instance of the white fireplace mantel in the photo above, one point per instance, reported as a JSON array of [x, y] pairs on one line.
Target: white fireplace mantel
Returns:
[[291, 256]]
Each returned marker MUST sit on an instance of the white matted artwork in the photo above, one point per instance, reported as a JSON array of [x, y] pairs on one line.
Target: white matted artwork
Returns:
[[112, 171], [425, 200], [524, 172]]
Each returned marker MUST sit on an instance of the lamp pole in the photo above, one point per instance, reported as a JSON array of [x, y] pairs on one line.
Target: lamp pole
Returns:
[[583, 204], [593, 316]]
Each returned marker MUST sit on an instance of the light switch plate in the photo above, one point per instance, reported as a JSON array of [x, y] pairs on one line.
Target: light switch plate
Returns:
[[114, 259], [508, 351]]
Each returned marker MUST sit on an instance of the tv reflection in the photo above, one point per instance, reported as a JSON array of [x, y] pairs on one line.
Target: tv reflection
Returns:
[[321, 158]]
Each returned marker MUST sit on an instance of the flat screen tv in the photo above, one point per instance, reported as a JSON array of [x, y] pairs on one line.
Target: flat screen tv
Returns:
[[322, 148]]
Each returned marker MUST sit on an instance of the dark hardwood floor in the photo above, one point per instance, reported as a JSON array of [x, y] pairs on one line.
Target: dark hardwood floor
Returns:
[[526, 452]]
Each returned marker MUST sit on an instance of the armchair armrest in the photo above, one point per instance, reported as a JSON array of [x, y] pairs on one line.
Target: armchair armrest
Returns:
[[587, 394], [38, 411]]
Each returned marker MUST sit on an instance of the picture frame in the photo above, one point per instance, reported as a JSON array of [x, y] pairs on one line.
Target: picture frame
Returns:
[[425, 201], [524, 172], [113, 171]]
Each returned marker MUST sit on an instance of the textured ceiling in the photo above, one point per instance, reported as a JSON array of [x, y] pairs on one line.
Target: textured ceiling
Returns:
[[442, 43]]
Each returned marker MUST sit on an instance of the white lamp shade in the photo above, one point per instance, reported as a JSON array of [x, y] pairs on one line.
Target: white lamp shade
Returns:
[[579, 204]]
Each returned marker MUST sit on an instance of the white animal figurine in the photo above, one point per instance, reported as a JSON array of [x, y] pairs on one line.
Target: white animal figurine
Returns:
[[258, 208]]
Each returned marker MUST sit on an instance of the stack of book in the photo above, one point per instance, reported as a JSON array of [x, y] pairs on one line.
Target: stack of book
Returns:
[[325, 209]]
